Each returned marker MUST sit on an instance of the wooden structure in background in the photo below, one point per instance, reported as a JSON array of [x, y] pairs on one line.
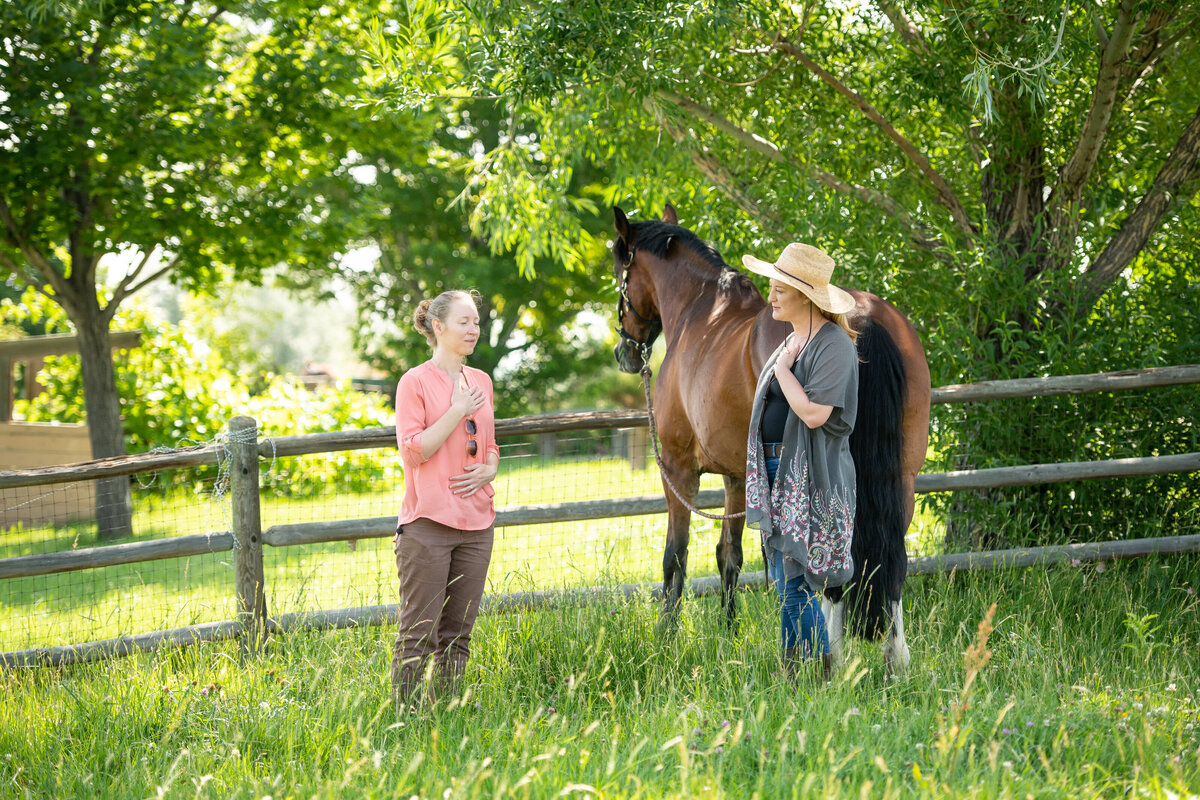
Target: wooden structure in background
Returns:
[[248, 537], [36, 444], [24, 445]]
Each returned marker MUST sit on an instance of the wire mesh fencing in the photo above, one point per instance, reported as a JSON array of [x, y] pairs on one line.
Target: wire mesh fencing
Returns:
[[193, 505], [176, 564], [63, 607], [540, 471], [1064, 429]]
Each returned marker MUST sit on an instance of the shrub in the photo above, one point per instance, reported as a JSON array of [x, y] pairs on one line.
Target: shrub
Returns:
[[175, 392]]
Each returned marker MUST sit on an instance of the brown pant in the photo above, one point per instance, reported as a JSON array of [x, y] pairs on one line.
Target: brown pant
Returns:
[[442, 572]]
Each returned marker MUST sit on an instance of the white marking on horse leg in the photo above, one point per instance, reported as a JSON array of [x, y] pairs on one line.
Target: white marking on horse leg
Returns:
[[895, 649], [835, 626]]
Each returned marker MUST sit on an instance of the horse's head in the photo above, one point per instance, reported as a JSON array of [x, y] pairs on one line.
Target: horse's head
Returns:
[[638, 318]]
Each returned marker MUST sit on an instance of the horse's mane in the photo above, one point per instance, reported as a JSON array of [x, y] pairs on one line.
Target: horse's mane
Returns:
[[657, 237]]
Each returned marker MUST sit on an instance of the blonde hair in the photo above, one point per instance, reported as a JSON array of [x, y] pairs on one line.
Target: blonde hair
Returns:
[[841, 321], [437, 308], [837, 319]]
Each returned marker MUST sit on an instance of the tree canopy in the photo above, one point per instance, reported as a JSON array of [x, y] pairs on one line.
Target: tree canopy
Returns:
[[1027, 153], [211, 144], [409, 207], [1020, 178], [203, 139]]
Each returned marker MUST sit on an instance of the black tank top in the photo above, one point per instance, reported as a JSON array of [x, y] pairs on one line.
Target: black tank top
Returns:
[[775, 412]]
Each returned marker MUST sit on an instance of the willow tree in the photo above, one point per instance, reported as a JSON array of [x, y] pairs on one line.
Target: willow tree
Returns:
[[1021, 140], [1012, 174]]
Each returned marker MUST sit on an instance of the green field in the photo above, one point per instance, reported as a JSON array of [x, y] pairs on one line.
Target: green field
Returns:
[[1090, 687]]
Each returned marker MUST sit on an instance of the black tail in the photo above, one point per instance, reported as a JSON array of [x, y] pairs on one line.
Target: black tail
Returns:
[[880, 560]]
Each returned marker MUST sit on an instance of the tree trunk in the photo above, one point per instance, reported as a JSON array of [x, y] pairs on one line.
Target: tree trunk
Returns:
[[114, 502], [1012, 188]]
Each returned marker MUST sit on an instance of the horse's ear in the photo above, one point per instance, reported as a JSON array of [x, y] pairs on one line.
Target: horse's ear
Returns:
[[622, 223], [669, 215]]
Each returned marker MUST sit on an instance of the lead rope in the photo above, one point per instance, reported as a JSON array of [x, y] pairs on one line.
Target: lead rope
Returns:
[[646, 372]]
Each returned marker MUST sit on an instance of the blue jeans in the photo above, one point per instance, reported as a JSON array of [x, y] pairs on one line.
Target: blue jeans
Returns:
[[800, 619]]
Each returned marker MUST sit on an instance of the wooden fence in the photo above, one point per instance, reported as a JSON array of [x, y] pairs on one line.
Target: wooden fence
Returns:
[[33, 349], [247, 538]]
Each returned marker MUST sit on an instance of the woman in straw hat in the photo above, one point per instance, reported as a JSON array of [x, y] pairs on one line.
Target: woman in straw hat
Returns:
[[799, 474]]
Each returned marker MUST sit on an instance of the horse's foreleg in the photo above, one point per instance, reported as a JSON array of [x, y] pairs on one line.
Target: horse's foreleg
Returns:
[[729, 548], [675, 553], [835, 626], [895, 649]]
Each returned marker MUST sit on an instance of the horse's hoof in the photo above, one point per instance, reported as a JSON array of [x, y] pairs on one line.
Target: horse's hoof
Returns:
[[897, 664], [731, 616]]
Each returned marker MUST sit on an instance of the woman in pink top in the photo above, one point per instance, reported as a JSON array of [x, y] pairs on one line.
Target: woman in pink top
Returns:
[[445, 428]]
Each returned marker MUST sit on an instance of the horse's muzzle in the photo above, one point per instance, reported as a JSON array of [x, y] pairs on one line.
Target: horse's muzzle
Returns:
[[629, 358]]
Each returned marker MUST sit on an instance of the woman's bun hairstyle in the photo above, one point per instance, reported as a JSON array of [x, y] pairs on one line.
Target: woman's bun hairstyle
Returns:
[[421, 321], [437, 308]]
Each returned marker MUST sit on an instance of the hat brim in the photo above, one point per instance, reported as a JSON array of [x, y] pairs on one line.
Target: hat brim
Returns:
[[833, 299]]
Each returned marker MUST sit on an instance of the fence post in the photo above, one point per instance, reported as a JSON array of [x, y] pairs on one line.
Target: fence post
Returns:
[[6, 388], [247, 533]]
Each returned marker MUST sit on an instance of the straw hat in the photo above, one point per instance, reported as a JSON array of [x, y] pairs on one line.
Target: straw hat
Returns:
[[808, 269]]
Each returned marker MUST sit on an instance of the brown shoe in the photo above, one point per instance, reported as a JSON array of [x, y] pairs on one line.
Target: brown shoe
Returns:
[[448, 676], [406, 686]]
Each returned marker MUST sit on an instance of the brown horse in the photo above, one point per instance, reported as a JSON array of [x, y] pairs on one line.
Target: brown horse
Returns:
[[719, 333]]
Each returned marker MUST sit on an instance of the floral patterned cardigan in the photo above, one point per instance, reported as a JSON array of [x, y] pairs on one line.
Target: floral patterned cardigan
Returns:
[[809, 512]]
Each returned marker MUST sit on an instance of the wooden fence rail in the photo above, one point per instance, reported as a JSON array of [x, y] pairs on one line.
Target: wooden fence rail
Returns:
[[305, 533], [242, 450], [367, 438], [1068, 384]]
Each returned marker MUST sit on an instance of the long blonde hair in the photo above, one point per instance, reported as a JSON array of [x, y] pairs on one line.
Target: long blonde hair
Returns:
[[840, 321]]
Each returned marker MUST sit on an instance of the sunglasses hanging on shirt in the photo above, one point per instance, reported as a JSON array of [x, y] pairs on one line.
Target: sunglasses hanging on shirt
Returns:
[[472, 444]]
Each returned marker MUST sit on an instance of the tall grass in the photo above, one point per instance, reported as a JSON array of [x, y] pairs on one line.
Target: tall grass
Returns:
[[1083, 683]]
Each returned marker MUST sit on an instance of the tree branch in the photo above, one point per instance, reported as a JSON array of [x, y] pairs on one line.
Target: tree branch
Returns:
[[756, 143], [1148, 53], [153, 277], [1091, 137], [945, 194], [212, 17], [77, 194], [29, 278], [129, 284], [1181, 171], [122, 289], [909, 32], [724, 179], [35, 259]]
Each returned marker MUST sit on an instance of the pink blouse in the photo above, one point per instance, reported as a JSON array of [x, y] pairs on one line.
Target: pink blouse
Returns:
[[422, 397]]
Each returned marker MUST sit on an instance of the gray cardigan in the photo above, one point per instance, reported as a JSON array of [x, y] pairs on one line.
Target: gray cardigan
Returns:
[[808, 513]]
